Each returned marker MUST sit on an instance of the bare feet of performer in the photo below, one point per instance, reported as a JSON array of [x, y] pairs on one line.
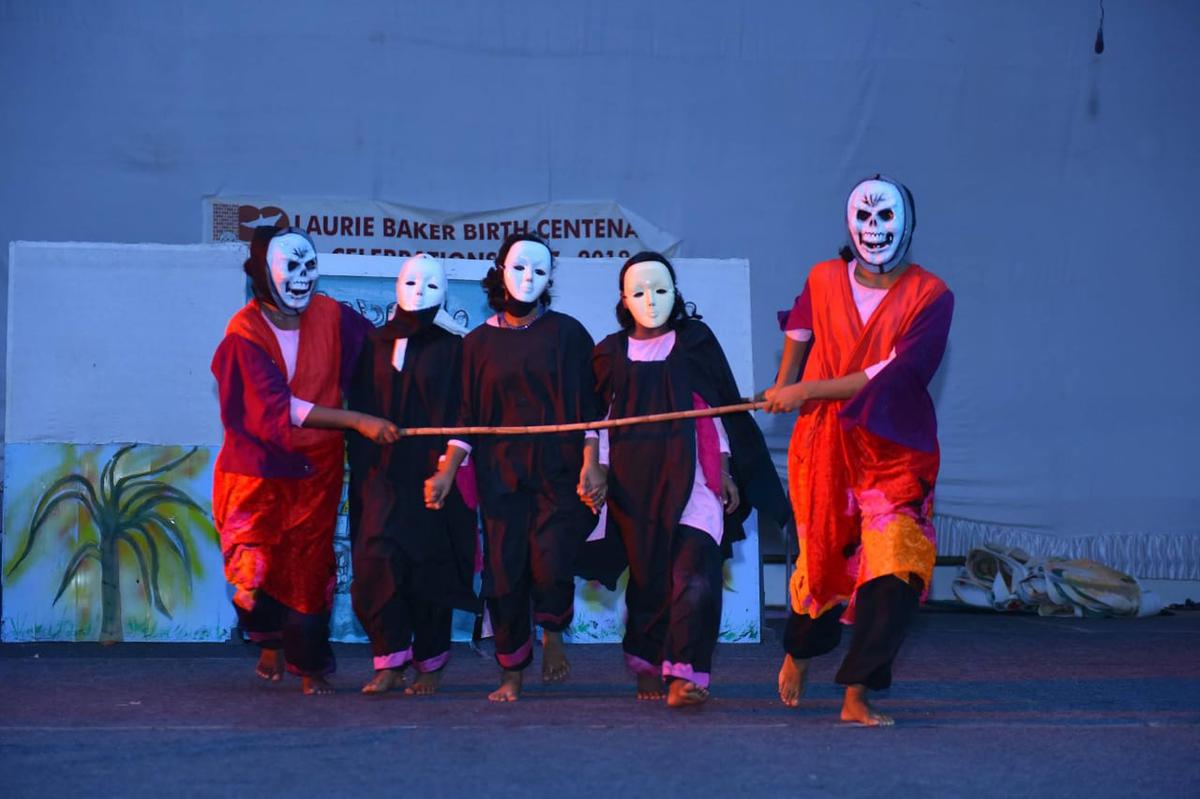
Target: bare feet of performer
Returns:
[[316, 686], [510, 687], [385, 680], [684, 693], [270, 665], [855, 708], [793, 678], [426, 684], [650, 686], [555, 666]]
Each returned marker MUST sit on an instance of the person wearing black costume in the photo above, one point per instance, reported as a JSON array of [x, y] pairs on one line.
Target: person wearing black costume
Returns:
[[527, 365], [412, 565], [677, 491]]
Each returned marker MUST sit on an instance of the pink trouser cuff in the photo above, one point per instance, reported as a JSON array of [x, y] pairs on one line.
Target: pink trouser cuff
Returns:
[[261, 638], [684, 671], [432, 664], [554, 623], [395, 660], [641, 667], [324, 671], [518, 659]]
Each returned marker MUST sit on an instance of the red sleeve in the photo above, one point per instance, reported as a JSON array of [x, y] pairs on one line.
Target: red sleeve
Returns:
[[801, 316], [254, 396]]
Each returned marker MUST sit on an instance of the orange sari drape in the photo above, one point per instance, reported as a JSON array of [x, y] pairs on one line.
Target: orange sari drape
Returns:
[[290, 522], [862, 503]]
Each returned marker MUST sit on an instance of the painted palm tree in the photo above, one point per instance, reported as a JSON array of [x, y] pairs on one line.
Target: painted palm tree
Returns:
[[128, 511]]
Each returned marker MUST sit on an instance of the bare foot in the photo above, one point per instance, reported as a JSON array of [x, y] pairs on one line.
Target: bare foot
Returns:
[[649, 686], [684, 693], [510, 687], [793, 677], [316, 686], [555, 666], [855, 708], [270, 665], [385, 680], [425, 684]]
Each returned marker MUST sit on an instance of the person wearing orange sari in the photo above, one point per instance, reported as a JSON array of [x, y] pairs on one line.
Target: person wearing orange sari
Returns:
[[863, 458], [280, 370]]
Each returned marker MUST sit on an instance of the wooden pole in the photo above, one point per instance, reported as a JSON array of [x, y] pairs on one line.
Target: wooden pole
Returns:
[[578, 427]]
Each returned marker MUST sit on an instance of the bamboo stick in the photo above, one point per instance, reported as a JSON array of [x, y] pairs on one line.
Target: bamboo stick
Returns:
[[578, 427]]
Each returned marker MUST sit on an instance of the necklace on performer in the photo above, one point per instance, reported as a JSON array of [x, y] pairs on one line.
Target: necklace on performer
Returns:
[[502, 318]]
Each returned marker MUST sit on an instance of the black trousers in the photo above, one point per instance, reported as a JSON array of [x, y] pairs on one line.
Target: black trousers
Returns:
[[672, 624], [402, 625], [303, 637], [884, 610], [550, 603], [532, 537]]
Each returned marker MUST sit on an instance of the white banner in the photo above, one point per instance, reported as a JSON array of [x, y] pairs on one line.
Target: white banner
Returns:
[[601, 229]]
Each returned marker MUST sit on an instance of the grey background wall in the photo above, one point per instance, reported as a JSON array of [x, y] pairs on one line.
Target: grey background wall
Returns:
[[1053, 185]]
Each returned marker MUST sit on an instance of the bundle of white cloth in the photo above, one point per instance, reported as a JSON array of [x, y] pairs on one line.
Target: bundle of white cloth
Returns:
[[1010, 579]]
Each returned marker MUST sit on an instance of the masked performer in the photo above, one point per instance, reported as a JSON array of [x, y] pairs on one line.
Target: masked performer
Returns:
[[412, 565], [527, 365], [280, 373], [863, 458], [677, 491]]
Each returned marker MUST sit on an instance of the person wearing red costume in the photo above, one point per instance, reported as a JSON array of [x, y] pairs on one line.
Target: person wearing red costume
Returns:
[[863, 458], [280, 370]]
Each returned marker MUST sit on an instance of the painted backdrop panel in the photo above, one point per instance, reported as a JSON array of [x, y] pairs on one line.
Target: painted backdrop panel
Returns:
[[111, 542]]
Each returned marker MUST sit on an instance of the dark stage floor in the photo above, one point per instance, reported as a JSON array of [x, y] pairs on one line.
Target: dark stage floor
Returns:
[[987, 706]]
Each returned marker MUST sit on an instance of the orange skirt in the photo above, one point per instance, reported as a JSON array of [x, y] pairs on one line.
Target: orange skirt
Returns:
[[863, 509], [290, 522]]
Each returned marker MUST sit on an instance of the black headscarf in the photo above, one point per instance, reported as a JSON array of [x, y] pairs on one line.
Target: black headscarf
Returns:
[[255, 266]]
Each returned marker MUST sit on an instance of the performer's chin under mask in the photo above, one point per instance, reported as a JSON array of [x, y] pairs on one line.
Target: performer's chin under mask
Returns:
[[518, 308], [404, 324], [424, 317]]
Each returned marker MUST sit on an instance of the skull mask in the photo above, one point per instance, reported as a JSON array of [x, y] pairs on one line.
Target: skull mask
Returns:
[[292, 268], [421, 283], [880, 217]]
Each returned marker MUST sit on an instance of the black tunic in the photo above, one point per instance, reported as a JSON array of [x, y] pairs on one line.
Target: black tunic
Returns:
[[529, 376], [387, 502], [652, 466]]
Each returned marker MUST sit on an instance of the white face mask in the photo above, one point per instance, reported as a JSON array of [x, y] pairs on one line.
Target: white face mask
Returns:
[[879, 223], [421, 284], [292, 264], [526, 270], [649, 293]]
